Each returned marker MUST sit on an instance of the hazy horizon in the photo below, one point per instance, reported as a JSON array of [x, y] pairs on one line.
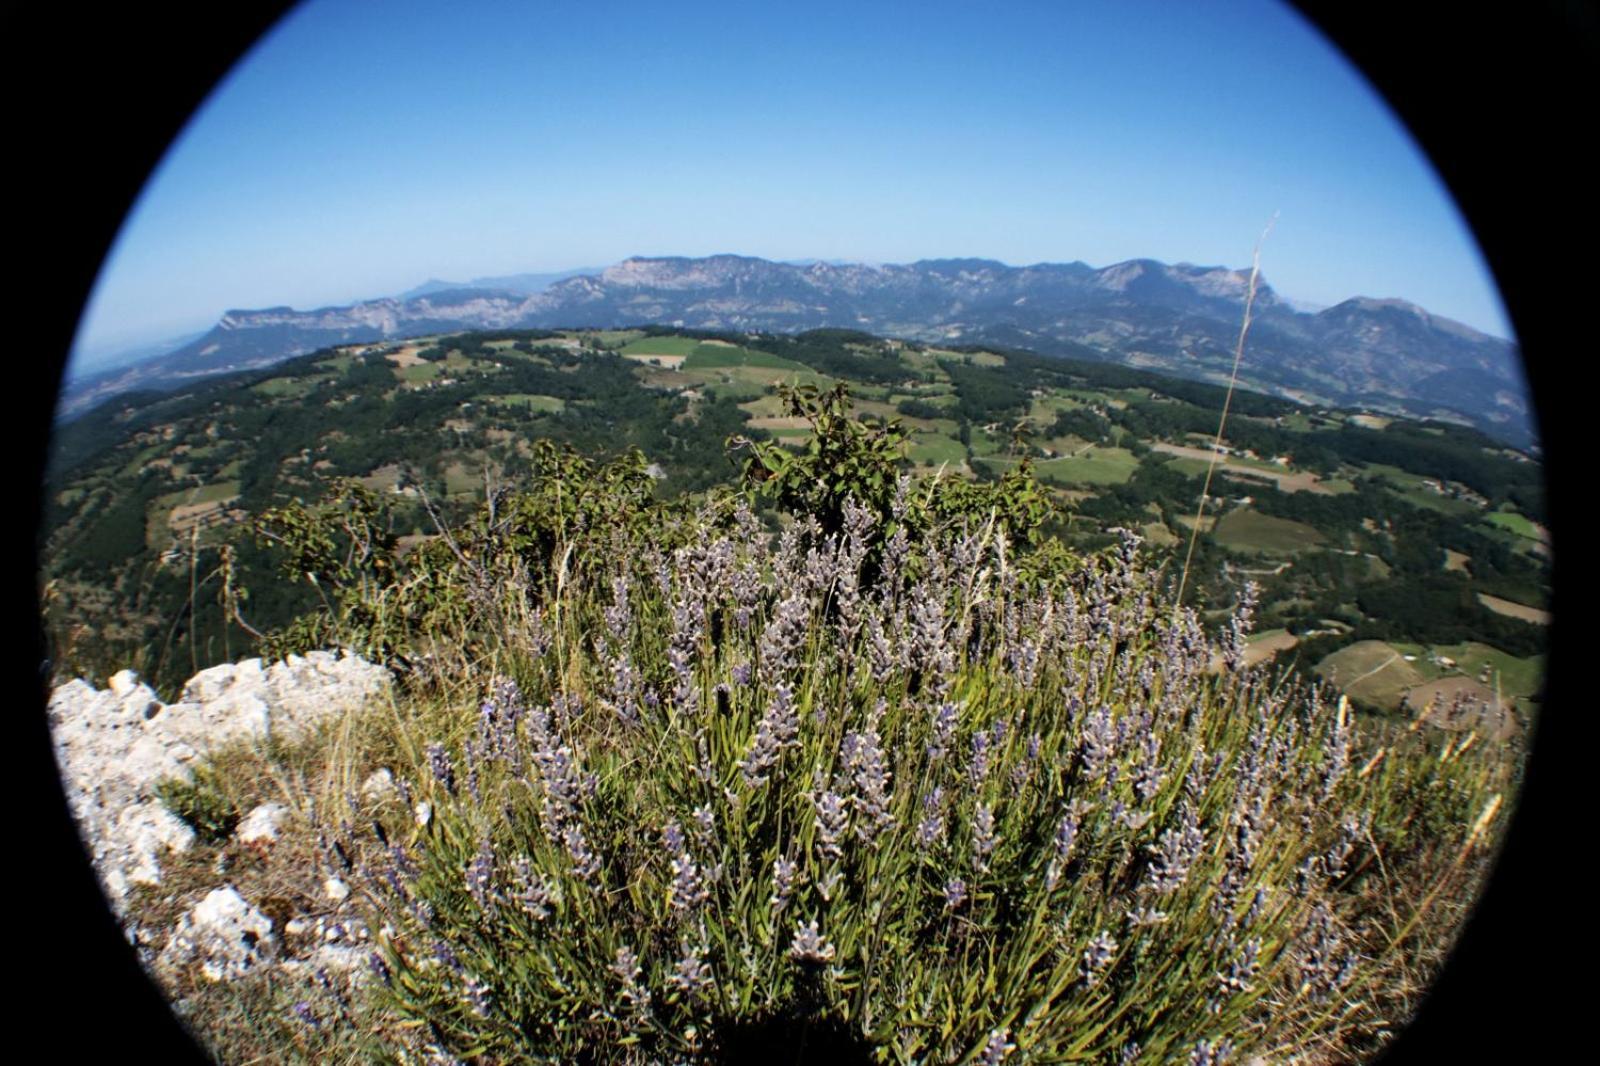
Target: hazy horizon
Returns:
[[482, 141]]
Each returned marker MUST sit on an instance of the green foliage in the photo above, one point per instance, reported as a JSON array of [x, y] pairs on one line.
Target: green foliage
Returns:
[[734, 789], [843, 459], [201, 802], [846, 459]]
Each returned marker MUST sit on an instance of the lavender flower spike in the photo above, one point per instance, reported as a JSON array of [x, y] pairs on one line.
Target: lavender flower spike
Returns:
[[997, 1048], [809, 945]]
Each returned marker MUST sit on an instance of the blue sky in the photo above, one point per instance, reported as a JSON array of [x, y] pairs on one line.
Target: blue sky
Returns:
[[362, 148]]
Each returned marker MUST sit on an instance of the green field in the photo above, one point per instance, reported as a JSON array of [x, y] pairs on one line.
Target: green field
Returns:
[[1372, 672], [418, 374], [460, 480], [1247, 530], [1512, 522], [709, 356], [611, 338], [1518, 678], [935, 449], [661, 346], [338, 363], [531, 402], [1098, 466], [293, 388]]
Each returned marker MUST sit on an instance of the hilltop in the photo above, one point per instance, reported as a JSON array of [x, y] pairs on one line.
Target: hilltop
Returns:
[[1387, 355]]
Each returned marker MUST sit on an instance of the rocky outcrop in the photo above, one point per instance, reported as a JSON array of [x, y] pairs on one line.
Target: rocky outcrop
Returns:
[[225, 934], [114, 745]]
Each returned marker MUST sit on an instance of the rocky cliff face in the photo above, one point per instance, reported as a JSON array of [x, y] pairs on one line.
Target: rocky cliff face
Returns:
[[114, 745]]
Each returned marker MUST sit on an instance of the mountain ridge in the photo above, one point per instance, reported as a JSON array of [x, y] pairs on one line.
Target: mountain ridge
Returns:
[[1181, 318]]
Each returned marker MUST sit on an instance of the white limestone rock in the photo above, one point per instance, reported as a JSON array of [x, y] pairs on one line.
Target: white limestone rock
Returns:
[[150, 831], [379, 787], [225, 934], [263, 825], [114, 745]]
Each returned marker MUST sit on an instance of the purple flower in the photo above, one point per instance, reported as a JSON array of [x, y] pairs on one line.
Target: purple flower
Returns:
[[785, 872], [809, 945], [997, 1048], [930, 829], [628, 971], [944, 730], [777, 729], [871, 779], [831, 820], [477, 997], [1240, 973], [690, 973], [439, 763], [1097, 958], [480, 876], [983, 836]]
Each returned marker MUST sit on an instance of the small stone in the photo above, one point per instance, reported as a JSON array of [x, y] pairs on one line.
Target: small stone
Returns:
[[336, 890], [296, 927], [379, 786], [263, 824], [424, 813]]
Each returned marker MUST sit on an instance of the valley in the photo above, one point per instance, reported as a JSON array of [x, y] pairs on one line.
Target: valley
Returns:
[[1397, 559]]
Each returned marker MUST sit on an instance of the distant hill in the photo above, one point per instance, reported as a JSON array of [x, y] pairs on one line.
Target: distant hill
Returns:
[[1384, 355], [527, 284]]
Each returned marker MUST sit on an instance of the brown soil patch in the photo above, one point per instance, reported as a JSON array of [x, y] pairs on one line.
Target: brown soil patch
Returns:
[[1459, 704], [1454, 560], [1512, 609], [1286, 481], [406, 356], [669, 362], [1259, 651], [184, 518]]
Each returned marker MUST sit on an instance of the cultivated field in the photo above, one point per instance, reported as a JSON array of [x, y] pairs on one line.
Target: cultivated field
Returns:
[[1514, 610]]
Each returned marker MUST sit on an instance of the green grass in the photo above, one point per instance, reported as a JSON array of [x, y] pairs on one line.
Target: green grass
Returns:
[[615, 338], [1098, 466], [223, 490], [1513, 522], [1519, 677], [288, 387], [534, 403], [661, 346], [1373, 672], [418, 374], [715, 355], [338, 363], [459, 480], [934, 449], [1248, 530]]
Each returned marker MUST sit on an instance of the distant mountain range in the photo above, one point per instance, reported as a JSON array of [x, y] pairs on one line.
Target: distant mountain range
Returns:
[[1385, 355]]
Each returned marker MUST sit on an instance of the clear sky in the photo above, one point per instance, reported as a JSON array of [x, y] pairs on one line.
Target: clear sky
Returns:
[[362, 148]]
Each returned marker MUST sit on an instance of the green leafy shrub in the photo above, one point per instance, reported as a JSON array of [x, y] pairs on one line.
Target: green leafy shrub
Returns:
[[201, 802]]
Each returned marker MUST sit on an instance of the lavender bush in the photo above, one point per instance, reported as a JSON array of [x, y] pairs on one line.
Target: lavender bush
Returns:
[[911, 788]]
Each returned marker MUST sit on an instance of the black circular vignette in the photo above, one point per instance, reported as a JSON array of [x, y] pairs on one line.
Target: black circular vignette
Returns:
[[1497, 97]]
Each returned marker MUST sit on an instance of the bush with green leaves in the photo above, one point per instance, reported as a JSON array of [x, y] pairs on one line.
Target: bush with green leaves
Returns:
[[201, 802], [956, 814]]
